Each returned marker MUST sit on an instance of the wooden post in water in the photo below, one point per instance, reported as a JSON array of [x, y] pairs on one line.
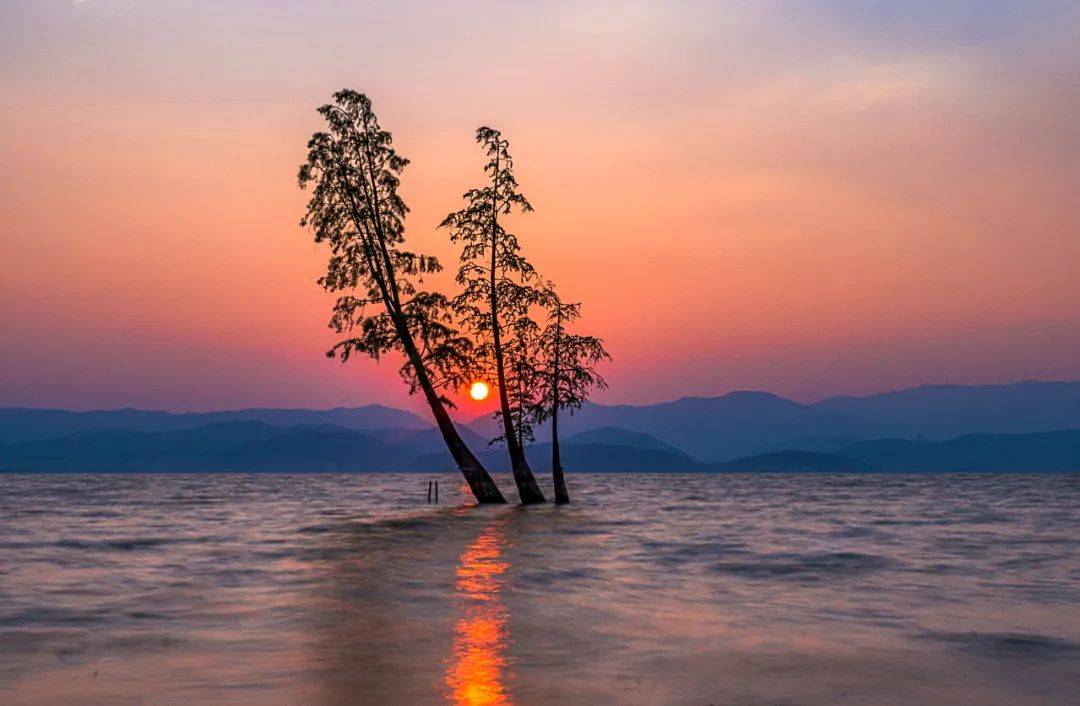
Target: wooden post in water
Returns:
[[429, 491], [436, 491]]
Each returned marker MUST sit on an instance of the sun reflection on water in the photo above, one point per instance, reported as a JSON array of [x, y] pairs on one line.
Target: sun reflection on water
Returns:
[[475, 669]]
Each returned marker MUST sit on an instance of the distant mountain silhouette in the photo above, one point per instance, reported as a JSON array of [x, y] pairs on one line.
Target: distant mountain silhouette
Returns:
[[935, 428], [742, 424], [27, 424], [426, 441], [946, 411], [709, 428], [259, 447], [1046, 452], [821, 444], [227, 446], [614, 436], [312, 450]]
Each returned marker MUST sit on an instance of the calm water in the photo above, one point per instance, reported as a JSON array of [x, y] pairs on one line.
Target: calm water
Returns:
[[350, 589]]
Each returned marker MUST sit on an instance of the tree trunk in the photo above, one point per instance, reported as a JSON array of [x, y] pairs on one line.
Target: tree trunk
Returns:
[[561, 495], [480, 482], [528, 490]]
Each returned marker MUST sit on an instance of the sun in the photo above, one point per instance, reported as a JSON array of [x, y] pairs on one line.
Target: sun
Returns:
[[478, 391]]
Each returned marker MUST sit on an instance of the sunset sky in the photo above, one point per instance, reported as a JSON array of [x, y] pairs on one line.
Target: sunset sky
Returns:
[[809, 197]]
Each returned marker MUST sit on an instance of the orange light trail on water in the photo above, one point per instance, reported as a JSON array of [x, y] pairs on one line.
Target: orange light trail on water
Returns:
[[475, 674]]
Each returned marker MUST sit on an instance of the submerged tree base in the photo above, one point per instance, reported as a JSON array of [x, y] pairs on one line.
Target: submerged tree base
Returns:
[[488, 496], [528, 489], [562, 497], [480, 481]]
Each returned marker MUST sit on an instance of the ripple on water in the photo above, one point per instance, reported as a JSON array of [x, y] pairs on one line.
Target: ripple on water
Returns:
[[1009, 645], [805, 567], [125, 543]]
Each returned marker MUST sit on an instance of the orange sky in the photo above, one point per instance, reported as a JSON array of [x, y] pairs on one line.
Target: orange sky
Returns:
[[808, 198]]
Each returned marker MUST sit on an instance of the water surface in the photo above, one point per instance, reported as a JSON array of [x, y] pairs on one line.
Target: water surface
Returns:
[[681, 589]]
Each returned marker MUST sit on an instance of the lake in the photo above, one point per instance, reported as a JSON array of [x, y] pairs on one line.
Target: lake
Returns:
[[649, 589]]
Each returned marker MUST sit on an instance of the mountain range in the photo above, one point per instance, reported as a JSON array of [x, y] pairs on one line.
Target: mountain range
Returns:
[[1027, 426], [746, 423], [27, 424]]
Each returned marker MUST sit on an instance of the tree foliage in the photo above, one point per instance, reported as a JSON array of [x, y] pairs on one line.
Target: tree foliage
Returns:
[[354, 172], [523, 379], [498, 284], [567, 363]]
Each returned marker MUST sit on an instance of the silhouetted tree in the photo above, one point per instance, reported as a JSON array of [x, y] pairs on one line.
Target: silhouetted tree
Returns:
[[522, 380], [567, 362], [355, 208], [498, 284]]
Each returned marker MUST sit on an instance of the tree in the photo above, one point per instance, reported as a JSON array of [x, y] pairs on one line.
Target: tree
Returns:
[[568, 374], [355, 208], [498, 283], [522, 380]]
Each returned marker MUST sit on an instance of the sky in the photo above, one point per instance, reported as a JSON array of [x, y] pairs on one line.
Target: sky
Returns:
[[809, 197]]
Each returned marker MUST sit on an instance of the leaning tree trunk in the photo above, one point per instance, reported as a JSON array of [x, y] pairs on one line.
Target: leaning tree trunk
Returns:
[[480, 482]]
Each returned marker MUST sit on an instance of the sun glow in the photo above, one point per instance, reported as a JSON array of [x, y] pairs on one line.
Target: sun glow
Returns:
[[478, 391]]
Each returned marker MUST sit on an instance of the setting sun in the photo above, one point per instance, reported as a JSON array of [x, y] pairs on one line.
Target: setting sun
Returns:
[[478, 391]]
